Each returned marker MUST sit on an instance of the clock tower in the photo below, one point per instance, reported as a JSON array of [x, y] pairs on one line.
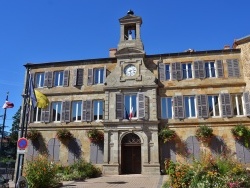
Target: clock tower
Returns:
[[131, 124]]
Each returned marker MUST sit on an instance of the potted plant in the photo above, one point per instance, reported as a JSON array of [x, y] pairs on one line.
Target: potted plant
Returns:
[[204, 133], [95, 135], [33, 134], [64, 134], [241, 133], [167, 134]]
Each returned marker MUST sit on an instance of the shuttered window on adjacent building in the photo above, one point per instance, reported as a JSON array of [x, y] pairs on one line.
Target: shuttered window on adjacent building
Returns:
[[56, 78], [233, 68], [97, 76], [164, 71]]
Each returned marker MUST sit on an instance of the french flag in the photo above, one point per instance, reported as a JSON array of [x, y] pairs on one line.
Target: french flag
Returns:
[[131, 113], [8, 104]]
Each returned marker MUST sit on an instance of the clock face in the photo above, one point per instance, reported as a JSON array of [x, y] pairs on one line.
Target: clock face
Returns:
[[130, 70]]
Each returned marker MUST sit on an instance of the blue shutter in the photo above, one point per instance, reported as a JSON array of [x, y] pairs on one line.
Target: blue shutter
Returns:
[[88, 110], [119, 106], [178, 107], [54, 149], [202, 106], [217, 145], [174, 71], [65, 111], [90, 76], [93, 153], [33, 150], [226, 105], [236, 68], [169, 151], [46, 114], [84, 110], [246, 97], [220, 73], [100, 153], [161, 71], [193, 148], [66, 78], [48, 79], [141, 105], [74, 150], [178, 71]]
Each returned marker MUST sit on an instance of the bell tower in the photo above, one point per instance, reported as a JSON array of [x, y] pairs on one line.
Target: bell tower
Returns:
[[130, 33]]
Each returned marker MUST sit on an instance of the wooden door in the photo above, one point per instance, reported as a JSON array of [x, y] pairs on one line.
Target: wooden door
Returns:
[[131, 159]]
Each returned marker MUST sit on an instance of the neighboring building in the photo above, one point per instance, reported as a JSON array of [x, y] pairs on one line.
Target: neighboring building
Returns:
[[131, 95]]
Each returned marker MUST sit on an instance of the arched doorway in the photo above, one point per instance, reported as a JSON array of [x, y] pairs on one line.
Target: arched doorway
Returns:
[[131, 154]]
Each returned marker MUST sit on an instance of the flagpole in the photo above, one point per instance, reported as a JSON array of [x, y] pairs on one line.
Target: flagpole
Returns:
[[4, 118], [22, 126]]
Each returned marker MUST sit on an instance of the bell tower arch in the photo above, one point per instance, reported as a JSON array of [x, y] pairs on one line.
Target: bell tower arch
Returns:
[[130, 31]]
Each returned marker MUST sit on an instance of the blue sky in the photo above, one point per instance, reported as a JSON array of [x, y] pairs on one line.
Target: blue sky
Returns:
[[59, 30]]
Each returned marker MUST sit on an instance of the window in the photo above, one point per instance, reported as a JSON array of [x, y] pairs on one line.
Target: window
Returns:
[[190, 110], [210, 69], [98, 76], [58, 78], [166, 108], [187, 70], [237, 104], [213, 105], [131, 106], [37, 115], [167, 72], [76, 110], [56, 111], [98, 109], [130, 102], [39, 79]]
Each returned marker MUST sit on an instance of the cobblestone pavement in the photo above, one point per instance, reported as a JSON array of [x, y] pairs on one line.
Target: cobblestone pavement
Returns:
[[118, 181]]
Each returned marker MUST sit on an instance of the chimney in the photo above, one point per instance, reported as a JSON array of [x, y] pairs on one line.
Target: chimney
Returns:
[[112, 52], [226, 47]]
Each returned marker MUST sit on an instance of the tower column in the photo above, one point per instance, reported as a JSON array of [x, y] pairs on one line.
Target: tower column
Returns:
[[138, 31]]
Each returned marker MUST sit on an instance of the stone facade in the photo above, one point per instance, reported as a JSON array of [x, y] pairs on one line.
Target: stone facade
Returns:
[[139, 135]]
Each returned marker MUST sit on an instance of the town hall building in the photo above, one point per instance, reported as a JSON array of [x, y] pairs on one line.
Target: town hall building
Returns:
[[130, 96]]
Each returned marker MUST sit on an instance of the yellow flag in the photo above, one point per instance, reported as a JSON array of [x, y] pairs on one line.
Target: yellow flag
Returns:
[[42, 100]]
